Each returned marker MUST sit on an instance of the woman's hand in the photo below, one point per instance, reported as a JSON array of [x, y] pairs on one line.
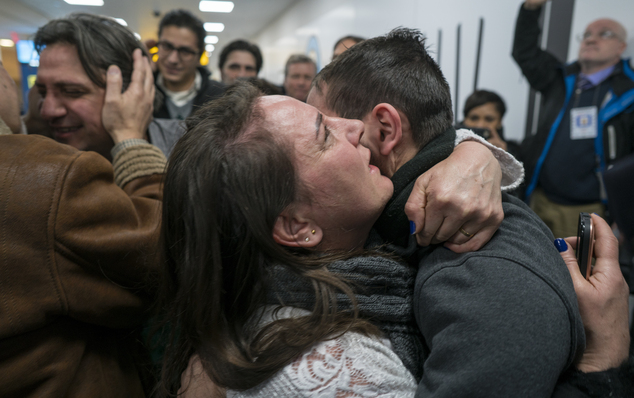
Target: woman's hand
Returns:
[[459, 200], [603, 301]]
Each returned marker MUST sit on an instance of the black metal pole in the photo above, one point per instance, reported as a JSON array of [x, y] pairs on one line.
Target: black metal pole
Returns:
[[455, 113], [477, 63], [439, 47]]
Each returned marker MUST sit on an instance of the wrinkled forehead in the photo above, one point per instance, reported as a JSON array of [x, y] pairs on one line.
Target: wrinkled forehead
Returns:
[[607, 24], [283, 112], [317, 98]]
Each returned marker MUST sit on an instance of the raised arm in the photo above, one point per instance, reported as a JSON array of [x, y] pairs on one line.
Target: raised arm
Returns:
[[538, 66]]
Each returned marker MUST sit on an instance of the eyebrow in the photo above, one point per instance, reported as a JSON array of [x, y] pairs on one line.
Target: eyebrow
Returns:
[[318, 124]]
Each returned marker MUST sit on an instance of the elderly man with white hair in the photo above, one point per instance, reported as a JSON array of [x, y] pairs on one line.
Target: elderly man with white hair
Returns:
[[587, 119]]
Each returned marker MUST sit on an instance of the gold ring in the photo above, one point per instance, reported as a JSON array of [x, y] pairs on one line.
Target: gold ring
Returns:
[[465, 233]]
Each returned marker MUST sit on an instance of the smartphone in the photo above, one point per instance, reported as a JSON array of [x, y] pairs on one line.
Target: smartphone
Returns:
[[585, 244]]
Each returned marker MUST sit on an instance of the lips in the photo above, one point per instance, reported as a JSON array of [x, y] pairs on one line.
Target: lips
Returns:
[[61, 133]]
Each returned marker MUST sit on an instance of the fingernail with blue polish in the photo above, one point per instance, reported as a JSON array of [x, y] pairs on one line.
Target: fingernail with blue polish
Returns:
[[561, 245], [412, 227]]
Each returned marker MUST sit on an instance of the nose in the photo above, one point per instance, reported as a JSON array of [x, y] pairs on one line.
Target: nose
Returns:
[[354, 130], [51, 108], [243, 72], [172, 57]]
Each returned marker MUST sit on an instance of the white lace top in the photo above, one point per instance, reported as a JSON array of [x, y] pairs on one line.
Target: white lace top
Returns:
[[352, 365]]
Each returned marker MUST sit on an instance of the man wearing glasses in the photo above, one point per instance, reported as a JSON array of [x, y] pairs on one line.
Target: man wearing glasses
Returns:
[[587, 119], [182, 83]]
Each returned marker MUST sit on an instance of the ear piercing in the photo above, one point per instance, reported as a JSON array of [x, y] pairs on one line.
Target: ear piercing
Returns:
[[312, 232], [307, 239]]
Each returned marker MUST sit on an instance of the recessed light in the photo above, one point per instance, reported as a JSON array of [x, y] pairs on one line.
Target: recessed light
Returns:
[[211, 39], [210, 47], [6, 43], [214, 26], [85, 2], [215, 6]]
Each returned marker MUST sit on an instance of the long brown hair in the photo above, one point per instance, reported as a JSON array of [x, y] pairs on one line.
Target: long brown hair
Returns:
[[227, 181]]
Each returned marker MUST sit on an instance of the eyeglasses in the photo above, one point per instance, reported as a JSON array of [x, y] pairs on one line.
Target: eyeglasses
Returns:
[[604, 35], [184, 53]]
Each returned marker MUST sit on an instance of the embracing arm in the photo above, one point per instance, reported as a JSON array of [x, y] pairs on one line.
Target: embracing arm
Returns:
[[107, 217], [463, 193]]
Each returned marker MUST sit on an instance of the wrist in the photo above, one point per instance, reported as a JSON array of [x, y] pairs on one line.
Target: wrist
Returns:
[[531, 7]]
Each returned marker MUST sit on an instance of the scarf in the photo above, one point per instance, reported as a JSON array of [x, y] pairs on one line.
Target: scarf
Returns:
[[383, 289]]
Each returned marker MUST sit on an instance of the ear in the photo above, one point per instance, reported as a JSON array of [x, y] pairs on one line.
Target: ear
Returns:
[[295, 231], [390, 127]]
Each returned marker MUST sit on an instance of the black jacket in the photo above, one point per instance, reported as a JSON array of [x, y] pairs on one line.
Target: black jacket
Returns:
[[556, 82], [209, 90]]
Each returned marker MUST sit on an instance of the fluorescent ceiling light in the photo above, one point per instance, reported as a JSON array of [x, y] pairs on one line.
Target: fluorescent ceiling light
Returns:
[[6, 43], [214, 26], [211, 39], [121, 21], [85, 2], [215, 6], [210, 47]]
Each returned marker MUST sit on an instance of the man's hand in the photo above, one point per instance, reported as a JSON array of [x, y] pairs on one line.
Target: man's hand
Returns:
[[127, 115], [459, 200], [534, 4], [9, 103], [603, 302]]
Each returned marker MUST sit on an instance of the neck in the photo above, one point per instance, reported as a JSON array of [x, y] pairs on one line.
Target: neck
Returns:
[[588, 68], [344, 240], [181, 85], [402, 153]]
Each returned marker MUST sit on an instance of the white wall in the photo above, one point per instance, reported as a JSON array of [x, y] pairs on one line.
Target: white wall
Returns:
[[328, 20]]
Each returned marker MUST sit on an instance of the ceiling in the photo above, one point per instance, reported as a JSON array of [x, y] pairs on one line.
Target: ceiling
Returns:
[[248, 18]]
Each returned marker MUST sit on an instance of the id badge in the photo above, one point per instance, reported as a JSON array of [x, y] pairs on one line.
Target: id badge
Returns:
[[583, 123]]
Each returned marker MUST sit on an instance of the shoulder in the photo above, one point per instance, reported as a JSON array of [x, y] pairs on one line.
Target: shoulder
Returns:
[[210, 89], [164, 133], [520, 257], [352, 364]]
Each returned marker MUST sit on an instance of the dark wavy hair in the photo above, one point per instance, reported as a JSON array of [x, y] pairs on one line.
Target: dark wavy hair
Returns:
[[100, 42], [227, 181], [397, 69]]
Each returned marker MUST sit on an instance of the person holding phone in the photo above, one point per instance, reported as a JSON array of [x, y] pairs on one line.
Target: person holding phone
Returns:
[[603, 305]]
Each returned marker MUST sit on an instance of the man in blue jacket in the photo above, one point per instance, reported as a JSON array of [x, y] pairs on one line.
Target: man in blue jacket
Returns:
[[587, 121]]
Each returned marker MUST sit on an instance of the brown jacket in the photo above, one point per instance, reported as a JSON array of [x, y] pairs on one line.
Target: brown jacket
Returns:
[[76, 252]]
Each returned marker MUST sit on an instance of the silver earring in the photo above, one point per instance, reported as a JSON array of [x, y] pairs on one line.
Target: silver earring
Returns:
[[307, 239]]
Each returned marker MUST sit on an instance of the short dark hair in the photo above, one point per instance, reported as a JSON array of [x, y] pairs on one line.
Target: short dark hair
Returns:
[[355, 39], [298, 59], [396, 69], [100, 42], [241, 45], [185, 19], [481, 97]]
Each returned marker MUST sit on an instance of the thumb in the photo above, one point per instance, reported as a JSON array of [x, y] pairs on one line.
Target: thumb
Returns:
[[114, 83], [415, 206]]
